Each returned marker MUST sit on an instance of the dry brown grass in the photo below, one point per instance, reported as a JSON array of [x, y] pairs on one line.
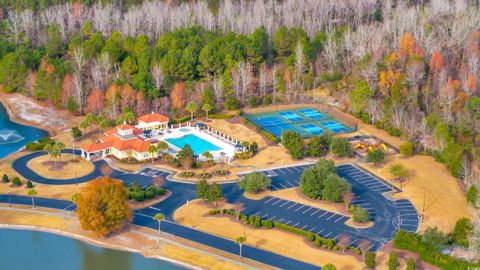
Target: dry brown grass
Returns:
[[445, 200], [287, 244], [71, 169]]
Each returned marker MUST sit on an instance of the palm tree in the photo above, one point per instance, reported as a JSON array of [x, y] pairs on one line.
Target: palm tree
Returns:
[[103, 125], [162, 146], [159, 218], [55, 153], [152, 149], [48, 149], [129, 117], [240, 240], [207, 108], [32, 192], [84, 125], [207, 155], [191, 107], [89, 119], [59, 146]]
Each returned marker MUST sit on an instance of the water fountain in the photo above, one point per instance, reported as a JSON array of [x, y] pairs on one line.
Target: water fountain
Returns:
[[8, 136]]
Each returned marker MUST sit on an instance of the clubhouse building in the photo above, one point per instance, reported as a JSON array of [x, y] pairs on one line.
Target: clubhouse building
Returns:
[[125, 140]]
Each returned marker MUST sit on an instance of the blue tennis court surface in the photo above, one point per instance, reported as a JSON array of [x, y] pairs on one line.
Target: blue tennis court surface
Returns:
[[291, 116], [335, 127], [306, 121], [312, 129], [312, 114]]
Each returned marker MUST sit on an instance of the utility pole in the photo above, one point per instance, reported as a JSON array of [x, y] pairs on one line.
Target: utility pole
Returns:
[[244, 233]]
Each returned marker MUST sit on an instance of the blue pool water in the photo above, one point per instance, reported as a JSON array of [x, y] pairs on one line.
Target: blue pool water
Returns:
[[199, 145], [54, 252], [14, 136]]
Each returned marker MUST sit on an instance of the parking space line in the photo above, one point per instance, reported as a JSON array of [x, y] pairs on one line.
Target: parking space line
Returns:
[[312, 229], [314, 212], [272, 218], [323, 214], [296, 224], [307, 210], [331, 216], [279, 200], [154, 208], [299, 208], [280, 170], [319, 232], [256, 214], [287, 202], [291, 185], [266, 215], [338, 219], [327, 234], [291, 205], [304, 227], [269, 199], [282, 185], [288, 222]]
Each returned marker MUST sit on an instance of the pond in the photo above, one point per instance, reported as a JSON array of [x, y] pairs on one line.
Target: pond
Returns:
[[14, 136], [23, 249]]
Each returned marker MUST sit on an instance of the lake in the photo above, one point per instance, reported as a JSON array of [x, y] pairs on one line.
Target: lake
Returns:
[[27, 250], [14, 136]]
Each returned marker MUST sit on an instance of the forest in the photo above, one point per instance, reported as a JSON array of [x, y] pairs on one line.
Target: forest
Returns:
[[409, 67]]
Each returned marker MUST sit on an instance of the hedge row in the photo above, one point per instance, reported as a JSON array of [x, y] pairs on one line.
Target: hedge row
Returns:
[[149, 193], [39, 145], [222, 116], [180, 120], [413, 242], [257, 222]]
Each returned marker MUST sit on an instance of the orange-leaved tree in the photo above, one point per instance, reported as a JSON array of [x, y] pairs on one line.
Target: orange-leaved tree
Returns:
[[178, 96], [102, 206]]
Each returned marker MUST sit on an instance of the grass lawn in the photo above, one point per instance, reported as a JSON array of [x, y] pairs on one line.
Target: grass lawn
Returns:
[[66, 168]]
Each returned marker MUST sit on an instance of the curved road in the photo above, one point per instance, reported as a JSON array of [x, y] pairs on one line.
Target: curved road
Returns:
[[388, 215]]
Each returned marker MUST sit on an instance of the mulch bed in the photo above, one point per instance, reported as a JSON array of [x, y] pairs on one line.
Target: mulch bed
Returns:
[[55, 166]]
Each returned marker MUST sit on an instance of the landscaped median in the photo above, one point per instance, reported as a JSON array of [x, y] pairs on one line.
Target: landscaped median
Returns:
[[257, 222]]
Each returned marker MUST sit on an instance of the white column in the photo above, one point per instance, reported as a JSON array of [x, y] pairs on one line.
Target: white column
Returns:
[[88, 156]]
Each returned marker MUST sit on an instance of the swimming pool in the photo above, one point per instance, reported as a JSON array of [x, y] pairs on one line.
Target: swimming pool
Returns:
[[199, 145]]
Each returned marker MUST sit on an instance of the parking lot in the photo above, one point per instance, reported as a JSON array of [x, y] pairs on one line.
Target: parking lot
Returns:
[[370, 193], [299, 215]]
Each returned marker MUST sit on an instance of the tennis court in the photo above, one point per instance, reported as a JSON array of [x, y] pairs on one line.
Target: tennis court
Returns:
[[307, 122]]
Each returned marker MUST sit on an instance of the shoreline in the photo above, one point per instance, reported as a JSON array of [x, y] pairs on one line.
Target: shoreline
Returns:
[[91, 241], [12, 115]]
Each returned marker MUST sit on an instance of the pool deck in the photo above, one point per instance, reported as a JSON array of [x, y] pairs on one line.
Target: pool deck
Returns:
[[175, 134]]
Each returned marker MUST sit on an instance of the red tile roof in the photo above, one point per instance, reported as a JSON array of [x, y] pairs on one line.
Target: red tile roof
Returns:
[[153, 117]]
